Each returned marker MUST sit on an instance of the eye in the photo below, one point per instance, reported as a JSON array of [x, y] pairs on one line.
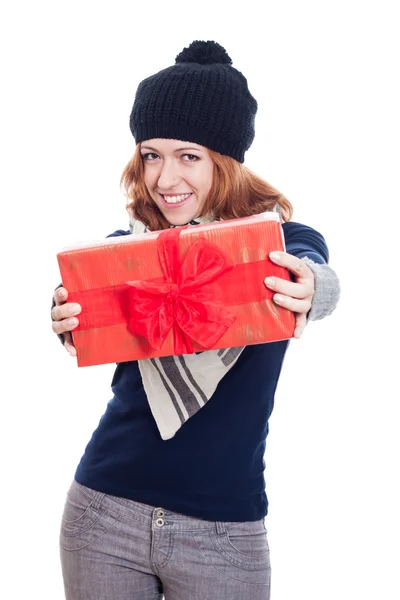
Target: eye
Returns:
[[150, 156], [191, 158]]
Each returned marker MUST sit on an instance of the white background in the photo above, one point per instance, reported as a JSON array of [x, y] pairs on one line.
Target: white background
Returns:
[[327, 136]]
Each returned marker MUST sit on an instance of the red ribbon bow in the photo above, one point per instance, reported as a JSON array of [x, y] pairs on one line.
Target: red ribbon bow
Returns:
[[183, 301]]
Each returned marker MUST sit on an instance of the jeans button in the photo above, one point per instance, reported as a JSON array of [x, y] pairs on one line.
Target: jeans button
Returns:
[[160, 513], [160, 522]]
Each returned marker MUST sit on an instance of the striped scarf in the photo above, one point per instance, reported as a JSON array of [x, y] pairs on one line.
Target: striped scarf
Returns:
[[178, 386]]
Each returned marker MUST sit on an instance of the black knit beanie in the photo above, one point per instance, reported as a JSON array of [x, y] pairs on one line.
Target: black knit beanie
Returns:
[[200, 99]]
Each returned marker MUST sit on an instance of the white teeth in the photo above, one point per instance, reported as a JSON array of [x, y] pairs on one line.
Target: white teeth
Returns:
[[174, 199]]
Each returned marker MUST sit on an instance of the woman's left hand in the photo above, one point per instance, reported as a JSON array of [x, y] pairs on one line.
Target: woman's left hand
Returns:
[[295, 296]]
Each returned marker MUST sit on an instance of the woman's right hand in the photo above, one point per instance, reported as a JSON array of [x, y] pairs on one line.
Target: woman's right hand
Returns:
[[64, 318]]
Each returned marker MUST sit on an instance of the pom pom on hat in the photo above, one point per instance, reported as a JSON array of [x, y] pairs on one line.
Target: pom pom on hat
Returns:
[[204, 53]]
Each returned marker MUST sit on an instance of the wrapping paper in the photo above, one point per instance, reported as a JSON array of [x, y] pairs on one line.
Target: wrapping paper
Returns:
[[177, 291]]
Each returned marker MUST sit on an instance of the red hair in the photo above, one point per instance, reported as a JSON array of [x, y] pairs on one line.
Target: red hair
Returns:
[[235, 192]]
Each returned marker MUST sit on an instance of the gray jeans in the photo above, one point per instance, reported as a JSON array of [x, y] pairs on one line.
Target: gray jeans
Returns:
[[117, 549]]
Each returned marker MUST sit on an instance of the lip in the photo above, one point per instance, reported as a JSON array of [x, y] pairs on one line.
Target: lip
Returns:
[[176, 204]]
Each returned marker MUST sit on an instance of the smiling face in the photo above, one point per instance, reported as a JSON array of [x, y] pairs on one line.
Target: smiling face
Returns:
[[178, 176]]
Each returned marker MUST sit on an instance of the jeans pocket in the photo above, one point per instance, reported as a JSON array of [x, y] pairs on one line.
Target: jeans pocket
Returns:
[[84, 518], [238, 551], [244, 545], [248, 540]]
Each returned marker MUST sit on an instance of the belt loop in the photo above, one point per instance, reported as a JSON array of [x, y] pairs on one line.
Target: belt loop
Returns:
[[220, 527], [97, 500]]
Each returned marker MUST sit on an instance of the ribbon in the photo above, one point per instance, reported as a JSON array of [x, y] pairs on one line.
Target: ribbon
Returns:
[[182, 301]]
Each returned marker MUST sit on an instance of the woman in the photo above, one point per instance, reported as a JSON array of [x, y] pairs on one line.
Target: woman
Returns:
[[183, 515]]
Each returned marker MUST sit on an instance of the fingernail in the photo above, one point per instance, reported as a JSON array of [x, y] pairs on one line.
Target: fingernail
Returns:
[[280, 298], [270, 281], [275, 256], [73, 309], [72, 322], [60, 293]]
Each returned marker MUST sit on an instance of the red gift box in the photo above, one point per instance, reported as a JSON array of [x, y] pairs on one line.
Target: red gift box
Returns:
[[177, 291]]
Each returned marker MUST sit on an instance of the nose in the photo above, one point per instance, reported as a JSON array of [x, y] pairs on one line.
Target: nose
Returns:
[[169, 175]]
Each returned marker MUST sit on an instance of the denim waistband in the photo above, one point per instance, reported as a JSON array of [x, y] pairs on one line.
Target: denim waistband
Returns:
[[156, 516]]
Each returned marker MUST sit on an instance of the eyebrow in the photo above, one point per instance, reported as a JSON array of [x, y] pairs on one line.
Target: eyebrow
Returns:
[[177, 150]]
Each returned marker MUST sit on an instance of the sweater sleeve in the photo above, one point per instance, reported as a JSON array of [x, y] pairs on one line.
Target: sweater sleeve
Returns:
[[310, 246], [115, 234]]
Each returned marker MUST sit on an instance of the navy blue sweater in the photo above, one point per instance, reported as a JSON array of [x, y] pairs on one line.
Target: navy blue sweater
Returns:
[[213, 468]]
